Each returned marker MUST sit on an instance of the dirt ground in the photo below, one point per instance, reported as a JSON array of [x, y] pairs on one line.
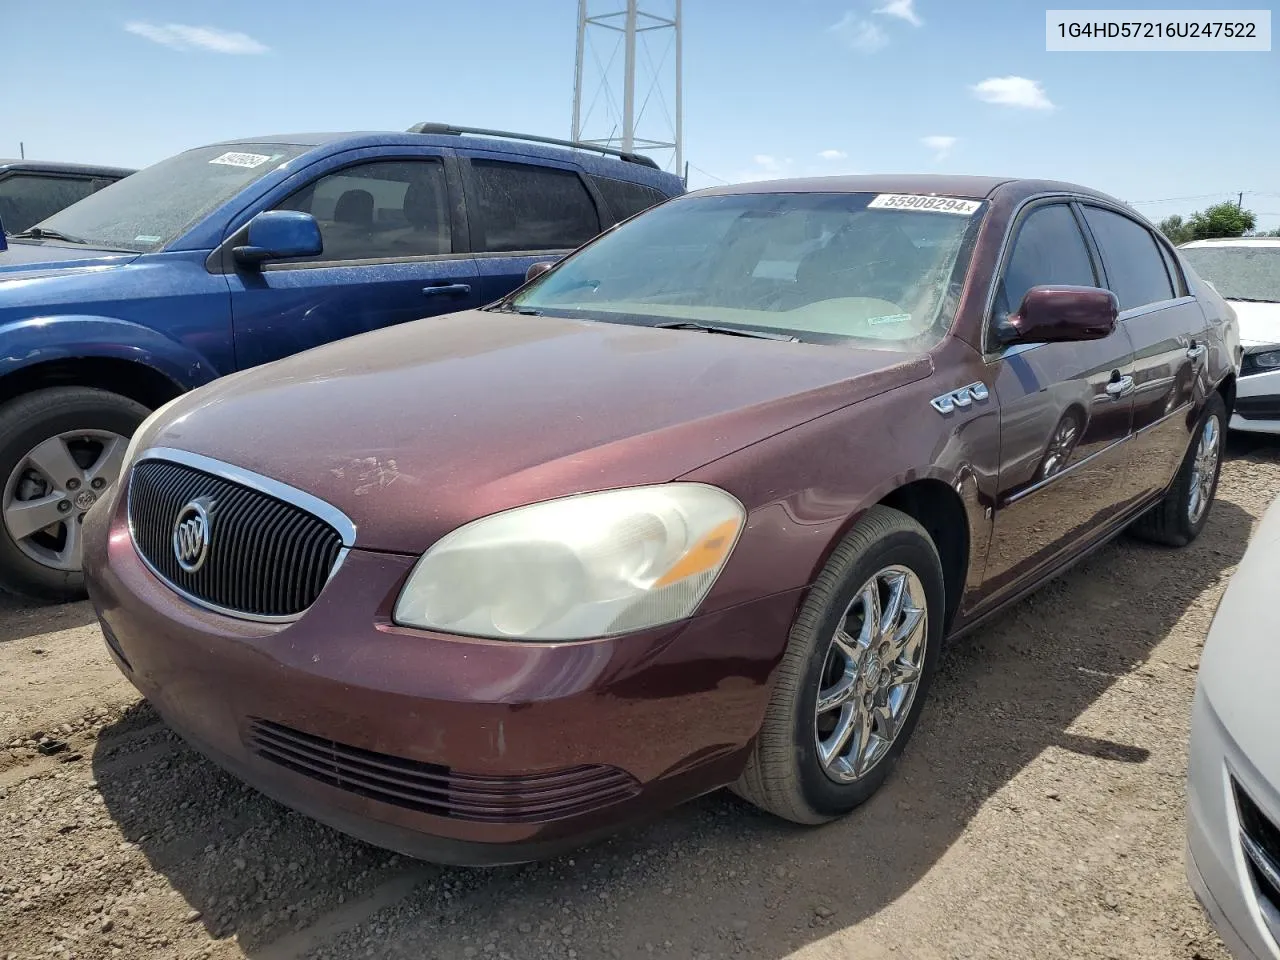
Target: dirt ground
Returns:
[[1037, 812]]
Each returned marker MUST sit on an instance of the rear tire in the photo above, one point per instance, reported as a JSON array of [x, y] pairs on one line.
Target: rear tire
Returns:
[[798, 769], [1179, 517], [29, 565]]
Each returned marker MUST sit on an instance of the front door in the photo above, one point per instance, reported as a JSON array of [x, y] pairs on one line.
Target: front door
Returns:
[[1065, 411], [1167, 329], [388, 228]]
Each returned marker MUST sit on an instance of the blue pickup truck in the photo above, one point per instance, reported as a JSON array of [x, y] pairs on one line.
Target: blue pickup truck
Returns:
[[233, 255]]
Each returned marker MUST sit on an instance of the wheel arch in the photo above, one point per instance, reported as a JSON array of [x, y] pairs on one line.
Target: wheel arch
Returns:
[[938, 508], [1228, 390]]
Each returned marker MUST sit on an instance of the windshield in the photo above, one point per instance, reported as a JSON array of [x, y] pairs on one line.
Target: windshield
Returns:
[[822, 267], [154, 206], [1239, 272]]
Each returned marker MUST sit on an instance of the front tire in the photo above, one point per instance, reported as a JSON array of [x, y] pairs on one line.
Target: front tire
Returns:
[[61, 450], [1180, 516], [860, 658]]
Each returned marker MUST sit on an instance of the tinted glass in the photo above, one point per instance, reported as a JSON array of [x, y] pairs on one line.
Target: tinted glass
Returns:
[[626, 199], [381, 210], [1239, 272], [522, 207], [154, 206], [816, 266], [1175, 271], [1135, 268], [1049, 249], [26, 199]]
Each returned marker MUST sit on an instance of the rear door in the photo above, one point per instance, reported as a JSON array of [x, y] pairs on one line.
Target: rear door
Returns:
[[521, 211], [393, 252], [1167, 329], [1065, 410]]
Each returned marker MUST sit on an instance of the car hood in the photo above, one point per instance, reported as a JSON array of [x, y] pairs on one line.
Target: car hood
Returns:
[[29, 261], [1259, 322], [414, 430]]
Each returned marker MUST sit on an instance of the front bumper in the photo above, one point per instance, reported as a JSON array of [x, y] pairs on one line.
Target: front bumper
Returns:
[[1216, 866], [451, 749], [1257, 407]]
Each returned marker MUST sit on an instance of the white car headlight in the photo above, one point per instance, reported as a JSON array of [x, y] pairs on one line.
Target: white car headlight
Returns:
[[592, 565], [1267, 359]]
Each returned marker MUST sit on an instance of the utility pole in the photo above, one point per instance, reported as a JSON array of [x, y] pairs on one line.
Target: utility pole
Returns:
[[637, 123], [1240, 201], [22, 150]]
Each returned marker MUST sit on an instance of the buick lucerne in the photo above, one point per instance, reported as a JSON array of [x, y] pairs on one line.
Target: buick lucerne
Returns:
[[695, 506]]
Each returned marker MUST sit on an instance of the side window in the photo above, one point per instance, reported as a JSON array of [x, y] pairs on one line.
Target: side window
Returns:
[[626, 199], [1135, 267], [379, 210], [26, 199], [523, 207], [1048, 249], [1175, 271]]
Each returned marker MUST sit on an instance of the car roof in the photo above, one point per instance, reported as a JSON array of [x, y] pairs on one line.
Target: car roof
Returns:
[[964, 187], [592, 162], [1233, 242], [57, 166]]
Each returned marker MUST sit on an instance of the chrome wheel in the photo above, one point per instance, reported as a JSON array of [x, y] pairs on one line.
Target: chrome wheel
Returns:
[[1204, 470], [871, 674], [51, 489], [1061, 444]]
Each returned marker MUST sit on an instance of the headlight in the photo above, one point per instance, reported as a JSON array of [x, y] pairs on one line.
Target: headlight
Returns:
[[586, 566], [1268, 360], [131, 451]]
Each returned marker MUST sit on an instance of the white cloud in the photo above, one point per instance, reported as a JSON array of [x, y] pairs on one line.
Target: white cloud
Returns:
[[180, 36], [903, 10], [832, 154], [859, 34], [940, 145], [1013, 92]]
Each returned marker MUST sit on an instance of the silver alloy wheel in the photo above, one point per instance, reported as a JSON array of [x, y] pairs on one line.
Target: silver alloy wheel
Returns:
[[871, 673], [52, 488], [1060, 446], [1204, 469]]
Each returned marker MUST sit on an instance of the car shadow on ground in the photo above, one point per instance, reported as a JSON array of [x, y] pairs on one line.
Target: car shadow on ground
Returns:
[[285, 886], [20, 618]]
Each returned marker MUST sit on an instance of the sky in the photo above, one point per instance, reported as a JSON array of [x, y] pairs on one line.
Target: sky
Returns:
[[771, 89]]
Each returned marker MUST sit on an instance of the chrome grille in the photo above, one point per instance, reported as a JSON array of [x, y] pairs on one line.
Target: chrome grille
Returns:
[[267, 559]]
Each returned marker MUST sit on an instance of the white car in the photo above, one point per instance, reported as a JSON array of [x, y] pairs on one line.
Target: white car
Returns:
[[1246, 272], [1233, 780]]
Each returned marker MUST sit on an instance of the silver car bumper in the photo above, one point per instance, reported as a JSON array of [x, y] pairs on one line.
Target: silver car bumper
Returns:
[[1218, 868], [1257, 386]]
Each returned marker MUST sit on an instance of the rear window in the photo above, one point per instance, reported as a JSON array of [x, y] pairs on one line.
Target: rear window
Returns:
[[626, 199], [27, 198], [526, 207]]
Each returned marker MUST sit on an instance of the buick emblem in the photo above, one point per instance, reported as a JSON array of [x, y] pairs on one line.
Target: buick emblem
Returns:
[[191, 535]]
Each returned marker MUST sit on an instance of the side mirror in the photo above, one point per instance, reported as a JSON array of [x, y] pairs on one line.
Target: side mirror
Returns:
[[538, 269], [278, 234], [1062, 314]]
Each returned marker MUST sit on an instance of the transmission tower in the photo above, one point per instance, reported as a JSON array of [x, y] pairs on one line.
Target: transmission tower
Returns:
[[651, 114]]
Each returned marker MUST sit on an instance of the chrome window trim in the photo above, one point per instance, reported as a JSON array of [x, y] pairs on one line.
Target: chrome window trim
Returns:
[[254, 481]]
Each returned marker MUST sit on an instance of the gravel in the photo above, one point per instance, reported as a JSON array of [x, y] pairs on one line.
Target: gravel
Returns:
[[1038, 811]]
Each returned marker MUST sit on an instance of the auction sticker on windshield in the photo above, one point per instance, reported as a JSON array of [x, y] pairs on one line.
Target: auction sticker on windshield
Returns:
[[911, 201], [241, 159]]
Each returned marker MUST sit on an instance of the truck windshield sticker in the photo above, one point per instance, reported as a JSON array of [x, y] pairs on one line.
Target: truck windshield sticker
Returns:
[[241, 159], [911, 201]]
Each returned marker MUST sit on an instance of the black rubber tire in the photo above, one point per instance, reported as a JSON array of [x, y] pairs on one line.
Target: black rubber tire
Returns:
[[783, 775], [1167, 523], [27, 421]]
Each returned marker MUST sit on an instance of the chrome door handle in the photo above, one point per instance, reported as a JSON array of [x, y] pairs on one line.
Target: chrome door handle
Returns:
[[1196, 351], [1120, 388]]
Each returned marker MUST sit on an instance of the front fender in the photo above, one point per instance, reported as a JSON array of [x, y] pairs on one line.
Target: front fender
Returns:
[[34, 340]]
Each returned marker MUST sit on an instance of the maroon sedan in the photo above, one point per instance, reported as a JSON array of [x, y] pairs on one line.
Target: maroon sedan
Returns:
[[696, 507]]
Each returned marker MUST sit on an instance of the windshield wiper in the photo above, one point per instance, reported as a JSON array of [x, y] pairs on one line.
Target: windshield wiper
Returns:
[[1253, 300], [506, 307], [727, 331], [40, 233]]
